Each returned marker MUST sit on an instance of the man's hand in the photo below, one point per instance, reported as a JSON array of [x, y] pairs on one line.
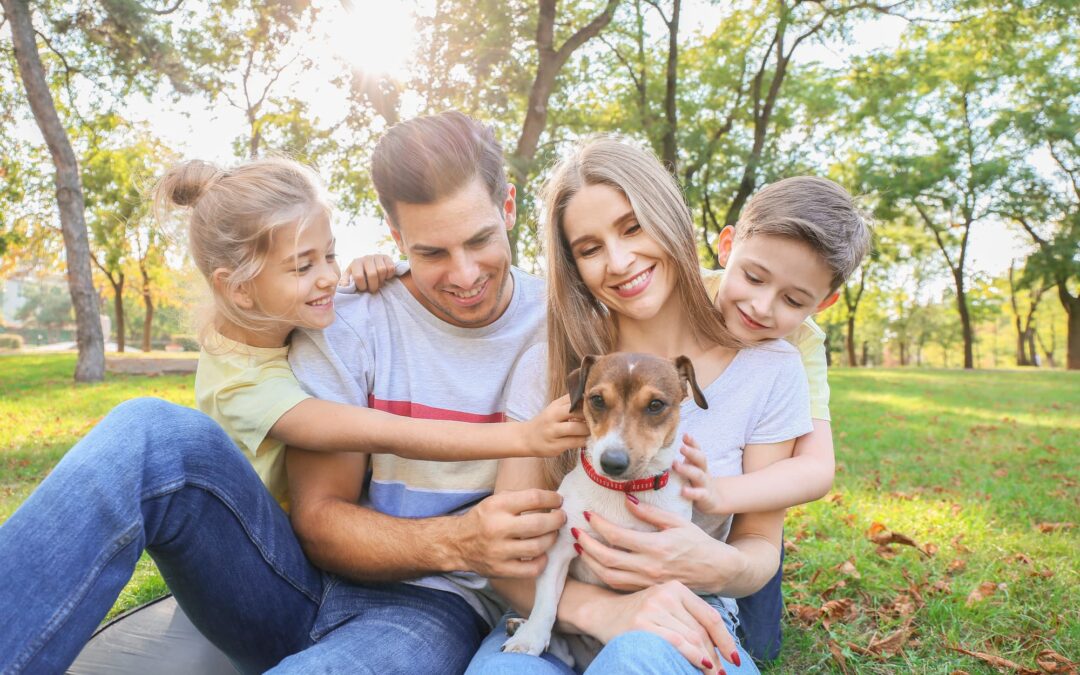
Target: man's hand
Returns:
[[701, 487], [554, 430], [508, 534], [369, 272], [676, 614]]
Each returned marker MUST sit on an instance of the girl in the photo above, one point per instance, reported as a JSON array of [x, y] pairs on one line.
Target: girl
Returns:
[[260, 234], [623, 276]]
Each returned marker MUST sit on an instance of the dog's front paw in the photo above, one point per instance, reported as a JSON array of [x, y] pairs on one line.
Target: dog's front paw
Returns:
[[527, 639]]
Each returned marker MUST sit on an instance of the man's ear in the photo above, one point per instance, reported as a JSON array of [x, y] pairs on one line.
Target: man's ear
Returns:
[[509, 206], [396, 234], [241, 296], [828, 302], [724, 243], [576, 380]]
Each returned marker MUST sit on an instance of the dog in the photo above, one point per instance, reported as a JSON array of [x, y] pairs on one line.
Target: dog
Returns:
[[631, 405]]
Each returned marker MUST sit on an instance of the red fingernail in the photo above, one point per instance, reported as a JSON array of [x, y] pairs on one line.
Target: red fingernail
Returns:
[[633, 499], [707, 663], [574, 531], [577, 547], [588, 517], [735, 659]]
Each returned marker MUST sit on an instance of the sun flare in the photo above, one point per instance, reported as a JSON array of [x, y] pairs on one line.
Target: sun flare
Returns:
[[375, 35]]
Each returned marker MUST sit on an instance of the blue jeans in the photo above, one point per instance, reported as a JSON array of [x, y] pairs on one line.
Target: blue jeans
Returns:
[[160, 477], [759, 618], [635, 653]]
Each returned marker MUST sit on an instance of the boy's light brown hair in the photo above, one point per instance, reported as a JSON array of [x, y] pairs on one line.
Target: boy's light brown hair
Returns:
[[813, 210], [424, 159]]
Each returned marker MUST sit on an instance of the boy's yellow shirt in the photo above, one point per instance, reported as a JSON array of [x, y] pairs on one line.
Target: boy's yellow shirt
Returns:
[[246, 390], [809, 339]]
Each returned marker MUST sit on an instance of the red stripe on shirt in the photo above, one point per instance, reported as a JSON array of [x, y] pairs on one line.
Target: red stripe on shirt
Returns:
[[421, 411]]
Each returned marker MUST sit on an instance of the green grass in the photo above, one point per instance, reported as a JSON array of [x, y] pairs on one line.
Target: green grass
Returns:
[[968, 462]]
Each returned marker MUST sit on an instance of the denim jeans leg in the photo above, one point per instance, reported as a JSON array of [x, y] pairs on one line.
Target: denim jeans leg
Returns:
[[491, 660], [759, 617], [158, 476], [389, 628]]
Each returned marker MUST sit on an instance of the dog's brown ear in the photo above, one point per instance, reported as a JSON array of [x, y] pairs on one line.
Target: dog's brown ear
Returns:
[[686, 374], [575, 382]]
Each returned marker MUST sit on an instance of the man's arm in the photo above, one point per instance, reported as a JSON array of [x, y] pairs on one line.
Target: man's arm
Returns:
[[499, 537]]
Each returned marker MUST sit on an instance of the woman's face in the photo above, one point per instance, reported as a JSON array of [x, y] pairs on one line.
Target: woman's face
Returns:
[[621, 265]]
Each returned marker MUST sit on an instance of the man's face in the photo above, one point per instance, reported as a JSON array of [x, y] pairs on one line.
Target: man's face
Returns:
[[459, 254]]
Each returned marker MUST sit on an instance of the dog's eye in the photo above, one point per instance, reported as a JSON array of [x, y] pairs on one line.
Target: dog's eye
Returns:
[[597, 401], [655, 406]]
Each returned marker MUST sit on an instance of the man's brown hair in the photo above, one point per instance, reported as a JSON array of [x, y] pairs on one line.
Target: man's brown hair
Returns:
[[424, 159]]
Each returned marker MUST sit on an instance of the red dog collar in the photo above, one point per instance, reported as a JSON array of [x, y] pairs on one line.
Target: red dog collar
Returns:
[[640, 485]]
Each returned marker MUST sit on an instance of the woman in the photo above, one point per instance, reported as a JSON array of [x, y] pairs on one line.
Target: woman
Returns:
[[623, 275]]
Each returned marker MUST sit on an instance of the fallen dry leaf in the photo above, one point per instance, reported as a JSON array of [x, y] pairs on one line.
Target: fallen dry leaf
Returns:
[[1001, 473], [804, 614], [940, 586], [838, 656], [1020, 558], [834, 498], [956, 566], [1044, 573], [958, 544], [997, 661], [983, 591], [790, 547], [1052, 662], [847, 568], [832, 589], [891, 644], [930, 549], [882, 536], [1052, 527], [837, 610], [959, 672], [901, 606], [885, 552]]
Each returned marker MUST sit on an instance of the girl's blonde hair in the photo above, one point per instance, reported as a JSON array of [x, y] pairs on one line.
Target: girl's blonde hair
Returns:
[[578, 324], [234, 213]]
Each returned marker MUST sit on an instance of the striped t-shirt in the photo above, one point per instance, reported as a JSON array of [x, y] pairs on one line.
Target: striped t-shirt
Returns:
[[386, 351]]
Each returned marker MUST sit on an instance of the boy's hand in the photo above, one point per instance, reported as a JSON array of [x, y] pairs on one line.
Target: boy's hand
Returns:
[[369, 272], [700, 487], [554, 430]]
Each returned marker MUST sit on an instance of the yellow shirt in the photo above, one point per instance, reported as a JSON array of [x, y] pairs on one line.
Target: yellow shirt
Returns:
[[809, 339], [246, 390]]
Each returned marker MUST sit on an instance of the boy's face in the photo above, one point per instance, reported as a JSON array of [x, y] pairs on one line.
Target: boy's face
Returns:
[[771, 285], [459, 254]]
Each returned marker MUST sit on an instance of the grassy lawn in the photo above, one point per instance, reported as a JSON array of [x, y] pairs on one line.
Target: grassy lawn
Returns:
[[933, 539]]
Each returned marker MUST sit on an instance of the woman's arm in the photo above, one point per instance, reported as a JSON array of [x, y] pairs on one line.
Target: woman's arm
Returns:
[[326, 426], [804, 477]]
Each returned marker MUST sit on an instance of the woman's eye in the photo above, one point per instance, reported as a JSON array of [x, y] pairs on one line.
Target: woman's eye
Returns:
[[794, 303], [751, 278], [633, 229], [655, 406], [597, 401], [303, 268], [587, 252], [331, 257]]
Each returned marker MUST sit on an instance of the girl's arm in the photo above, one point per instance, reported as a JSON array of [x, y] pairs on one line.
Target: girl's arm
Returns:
[[319, 425], [805, 476]]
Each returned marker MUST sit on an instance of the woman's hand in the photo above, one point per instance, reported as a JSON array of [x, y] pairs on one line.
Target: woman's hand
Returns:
[[701, 487], [369, 272], [679, 551], [676, 614], [553, 431]]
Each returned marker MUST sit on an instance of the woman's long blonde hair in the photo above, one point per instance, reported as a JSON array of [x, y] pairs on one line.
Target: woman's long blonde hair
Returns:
[[577, 323], [233, 216]]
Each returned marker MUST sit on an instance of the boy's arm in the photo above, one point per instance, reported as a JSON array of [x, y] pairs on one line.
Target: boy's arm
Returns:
[[805, 476], [326, 426]]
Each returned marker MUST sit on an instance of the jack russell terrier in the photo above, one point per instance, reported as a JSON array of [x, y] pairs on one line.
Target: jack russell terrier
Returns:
[[631, 404]]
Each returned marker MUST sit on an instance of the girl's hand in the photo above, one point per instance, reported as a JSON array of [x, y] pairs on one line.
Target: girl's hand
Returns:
[[700, 488], [369, 272], [676, 614], [554, 431], [678, 551]]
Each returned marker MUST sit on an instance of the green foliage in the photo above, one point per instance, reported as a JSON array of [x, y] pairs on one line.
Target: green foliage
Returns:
[[47, 305], [11, 341], [188, 342]]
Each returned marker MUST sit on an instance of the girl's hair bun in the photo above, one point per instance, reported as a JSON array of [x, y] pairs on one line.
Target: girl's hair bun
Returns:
[[185, 183]]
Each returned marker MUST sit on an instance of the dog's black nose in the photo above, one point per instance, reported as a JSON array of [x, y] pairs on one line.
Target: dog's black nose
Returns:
[[614, 462]]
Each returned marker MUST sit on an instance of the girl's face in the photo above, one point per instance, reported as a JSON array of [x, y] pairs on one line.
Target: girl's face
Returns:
[[621, 265], [301, 273]]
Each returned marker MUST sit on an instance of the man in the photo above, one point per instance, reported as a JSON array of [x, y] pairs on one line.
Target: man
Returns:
[[156, 476]]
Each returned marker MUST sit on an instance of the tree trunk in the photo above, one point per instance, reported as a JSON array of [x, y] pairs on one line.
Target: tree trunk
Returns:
[[851, 341], [1072, 338], [865, 351], [118, 309], [1021, 346], [90, 366], [148, 303], [965, 321], [670, 143], [550, 61]]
